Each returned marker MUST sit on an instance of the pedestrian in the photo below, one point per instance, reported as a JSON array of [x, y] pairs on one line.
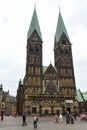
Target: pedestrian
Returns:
[[24, 119], [72, 119], [35, 120], [75, 115], [2, 115], [67, 117], [56, 118], [60, 118]]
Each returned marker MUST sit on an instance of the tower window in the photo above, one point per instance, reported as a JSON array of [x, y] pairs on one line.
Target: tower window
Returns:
[[37, 49], [63, 41], [31, 49]]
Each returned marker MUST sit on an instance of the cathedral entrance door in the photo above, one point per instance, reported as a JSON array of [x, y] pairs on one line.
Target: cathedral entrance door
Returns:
[[68, 109], [33, 109], [46, 112]]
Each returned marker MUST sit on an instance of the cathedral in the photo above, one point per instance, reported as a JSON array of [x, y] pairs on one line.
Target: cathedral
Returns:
[[46, 90]]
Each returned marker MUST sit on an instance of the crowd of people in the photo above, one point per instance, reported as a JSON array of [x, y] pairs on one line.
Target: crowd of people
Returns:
[[57, 119]]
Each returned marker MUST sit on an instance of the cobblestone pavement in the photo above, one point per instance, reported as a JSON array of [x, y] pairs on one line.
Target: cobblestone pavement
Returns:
[[45, 123]]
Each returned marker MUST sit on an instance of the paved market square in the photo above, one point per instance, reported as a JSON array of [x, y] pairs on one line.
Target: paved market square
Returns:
[[44, 123]]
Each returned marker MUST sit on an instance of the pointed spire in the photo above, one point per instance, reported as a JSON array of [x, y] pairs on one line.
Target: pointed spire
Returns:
[[59, 8], [60, 28], [34, 25], [35, 5]]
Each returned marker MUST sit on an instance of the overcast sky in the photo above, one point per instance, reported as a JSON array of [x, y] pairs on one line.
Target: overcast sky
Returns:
[[15, 18]]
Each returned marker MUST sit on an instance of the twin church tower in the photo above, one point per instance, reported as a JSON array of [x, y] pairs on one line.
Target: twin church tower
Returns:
[[47, 89]]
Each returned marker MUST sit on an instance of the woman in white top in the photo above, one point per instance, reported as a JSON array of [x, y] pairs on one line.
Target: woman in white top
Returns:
[[60, 118]]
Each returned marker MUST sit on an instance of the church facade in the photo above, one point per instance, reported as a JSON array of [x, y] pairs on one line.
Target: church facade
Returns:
[[48, 89]]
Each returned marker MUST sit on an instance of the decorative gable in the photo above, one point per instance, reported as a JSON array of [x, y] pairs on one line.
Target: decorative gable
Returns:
[[51, 70], [35, 37], [64, 40]]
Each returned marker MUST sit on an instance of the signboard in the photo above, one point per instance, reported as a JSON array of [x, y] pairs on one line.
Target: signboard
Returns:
[[69, 101]]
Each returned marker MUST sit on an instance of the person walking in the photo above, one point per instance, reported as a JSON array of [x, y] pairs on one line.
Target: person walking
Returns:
[[72, 119], [60, 118], [75, 115], [56, 118], [67, 117], [35, 120], [24, 119]]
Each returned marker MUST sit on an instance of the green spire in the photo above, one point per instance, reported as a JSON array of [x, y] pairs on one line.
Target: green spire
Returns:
[[60, 28], [34, 25]]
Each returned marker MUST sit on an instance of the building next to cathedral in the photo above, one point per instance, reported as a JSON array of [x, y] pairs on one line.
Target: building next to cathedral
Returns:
[[47, 89]]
